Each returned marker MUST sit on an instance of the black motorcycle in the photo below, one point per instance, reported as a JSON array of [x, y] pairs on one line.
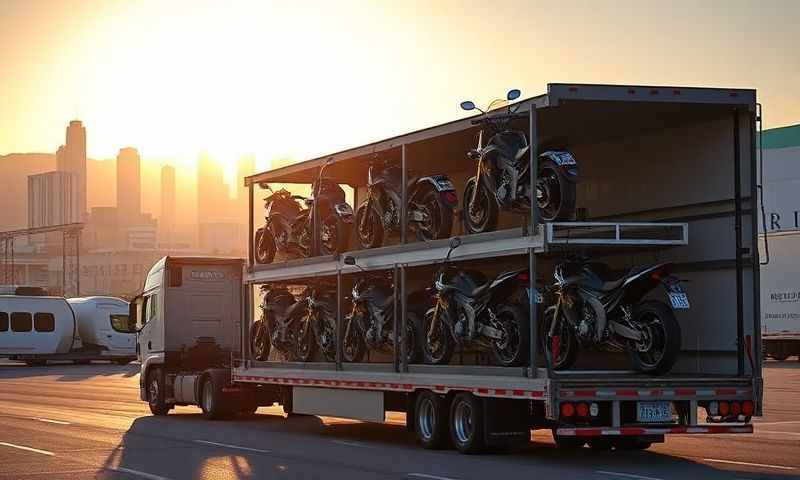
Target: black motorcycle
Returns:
[[503, 173], [317, 326], [592, 309], [470, 310], [370, 324], [289, 227], [278, 325], [431, 201]]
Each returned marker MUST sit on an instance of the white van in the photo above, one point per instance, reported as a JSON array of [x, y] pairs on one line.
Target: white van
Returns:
[[36, 325], [95, 316]]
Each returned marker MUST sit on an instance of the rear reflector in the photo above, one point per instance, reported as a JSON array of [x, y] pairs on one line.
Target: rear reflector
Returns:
[[747, 408], [582, 410], [567, 410]]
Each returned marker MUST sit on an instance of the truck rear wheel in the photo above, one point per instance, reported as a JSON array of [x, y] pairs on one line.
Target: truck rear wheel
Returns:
[[212, 401], [466, 423], [430, 420], [156, 392]]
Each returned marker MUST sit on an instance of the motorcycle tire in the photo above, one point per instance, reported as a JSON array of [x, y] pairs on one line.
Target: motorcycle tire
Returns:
[[306, 346], [559, 187], [441, 217], [664, 329], [442, 351], [260, 345], [372, 236], [353, 345], [514, 351], [264, 246], [487, 220], [336, 227], [568, 344], [413, 345], [328, 348]]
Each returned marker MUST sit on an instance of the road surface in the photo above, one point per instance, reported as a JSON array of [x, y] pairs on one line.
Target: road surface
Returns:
[[68, 422]]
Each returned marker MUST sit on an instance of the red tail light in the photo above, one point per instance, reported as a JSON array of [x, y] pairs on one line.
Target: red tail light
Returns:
[[747, 408], [523, 277], [450, 197], [736, 408], [724, 408], [656, 275], [582, 410], [567, 410]]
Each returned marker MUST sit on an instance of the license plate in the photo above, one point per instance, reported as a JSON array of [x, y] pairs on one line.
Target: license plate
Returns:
[[679, 300], [443, 185], [538, 298], [653, 412]]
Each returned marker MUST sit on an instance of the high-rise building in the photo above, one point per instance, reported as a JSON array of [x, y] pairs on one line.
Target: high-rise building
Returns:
[[212, 193], [245, 167], [168, 199], [129, 187], [52, 199], [71, 158]]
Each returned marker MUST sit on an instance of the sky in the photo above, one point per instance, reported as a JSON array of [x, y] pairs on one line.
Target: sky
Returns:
[[299, 79]]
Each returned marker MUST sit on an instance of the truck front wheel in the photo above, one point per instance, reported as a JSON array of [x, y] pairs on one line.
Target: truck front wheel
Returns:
[[212, 401], [156, 392]]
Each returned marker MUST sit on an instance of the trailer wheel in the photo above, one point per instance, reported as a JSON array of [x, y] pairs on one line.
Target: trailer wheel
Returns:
[[466, 424], [431, 420], [212, 401], [155, 392]]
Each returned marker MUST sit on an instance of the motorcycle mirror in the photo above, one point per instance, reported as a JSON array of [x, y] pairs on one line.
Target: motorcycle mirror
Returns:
[[513, 94], [265, 186], [468, 105], [455, 242], [329, 161], [349, 260]]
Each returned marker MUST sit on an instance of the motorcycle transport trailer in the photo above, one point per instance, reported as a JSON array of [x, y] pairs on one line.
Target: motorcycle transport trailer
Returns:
[[655, 164]]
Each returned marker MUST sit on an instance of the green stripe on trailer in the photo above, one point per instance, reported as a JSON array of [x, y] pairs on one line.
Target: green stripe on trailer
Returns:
[[782, 137]]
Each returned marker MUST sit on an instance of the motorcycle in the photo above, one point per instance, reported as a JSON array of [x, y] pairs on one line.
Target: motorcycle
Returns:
[[503, 173], [470, 310], [289, 227], [593, 310], [277, 326], [431, 201], [317, 326], [370, 324]]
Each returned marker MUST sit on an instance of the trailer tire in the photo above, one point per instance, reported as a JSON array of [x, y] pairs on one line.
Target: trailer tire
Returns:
[[156, 392], [212, 399], [430, 420], [467, 424]]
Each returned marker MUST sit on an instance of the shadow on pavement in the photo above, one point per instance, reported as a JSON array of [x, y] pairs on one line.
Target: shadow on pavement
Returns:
[[67, 372]]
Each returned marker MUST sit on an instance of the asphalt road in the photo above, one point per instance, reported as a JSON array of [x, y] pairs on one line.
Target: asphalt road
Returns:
[[65, 422]]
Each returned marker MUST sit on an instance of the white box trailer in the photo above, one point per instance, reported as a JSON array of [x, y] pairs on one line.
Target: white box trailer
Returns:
[[667, 174]]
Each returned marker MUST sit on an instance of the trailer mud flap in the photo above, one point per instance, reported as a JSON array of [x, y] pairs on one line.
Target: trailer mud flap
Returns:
[[506, 422]]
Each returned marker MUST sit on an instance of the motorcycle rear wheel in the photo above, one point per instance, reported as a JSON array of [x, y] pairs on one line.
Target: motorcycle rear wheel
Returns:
[[353, 345], [370, 235], [440, 217], [483, 217], [264, 246], [656, 320], [568, 344], [306, 345], [260, 345], [438, 350], [557, 201], [337, 236], [514, 350]]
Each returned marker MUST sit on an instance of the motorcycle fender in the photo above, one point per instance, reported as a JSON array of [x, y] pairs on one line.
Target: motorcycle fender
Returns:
[[440, 182], [600, 311], [485, 170], [568, 166]]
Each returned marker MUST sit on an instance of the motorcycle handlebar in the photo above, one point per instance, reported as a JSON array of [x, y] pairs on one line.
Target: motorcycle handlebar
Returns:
[[501, 116]]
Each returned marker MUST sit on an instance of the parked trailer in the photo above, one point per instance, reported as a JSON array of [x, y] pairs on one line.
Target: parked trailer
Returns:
[[37, 328], [656, 163]]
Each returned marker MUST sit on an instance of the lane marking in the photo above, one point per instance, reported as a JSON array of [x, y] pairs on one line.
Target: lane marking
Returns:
[[148, 476], [776, 423], [432, 477], [29, 449], [47, 420], [350, 444], [626, 475], [779, 467], [237, 447], [774, 431]]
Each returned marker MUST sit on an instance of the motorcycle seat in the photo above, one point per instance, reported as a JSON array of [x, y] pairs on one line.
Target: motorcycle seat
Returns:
[[612, 285], [479, 290]]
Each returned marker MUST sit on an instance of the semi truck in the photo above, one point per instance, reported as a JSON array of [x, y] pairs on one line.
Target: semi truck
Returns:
[[667, 174]]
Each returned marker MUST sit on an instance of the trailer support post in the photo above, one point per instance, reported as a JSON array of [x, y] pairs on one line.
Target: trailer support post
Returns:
[[737, 188], [395, 316], [404, 196], [250, 233], [339, 340], [533, 327], [402, 322]]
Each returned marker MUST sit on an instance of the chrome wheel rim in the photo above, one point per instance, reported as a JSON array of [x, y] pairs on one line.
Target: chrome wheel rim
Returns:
[[153, 390], [427, 420], [462, 422], [208, 398]]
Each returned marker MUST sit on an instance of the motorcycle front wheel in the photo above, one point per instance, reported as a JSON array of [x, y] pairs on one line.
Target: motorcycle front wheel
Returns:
[[333, 237], [658, 350], [480, 216], [327, 337], [555, 194], [438, 221], [413, 347], [369, 229], [437, 342], [264, 246], [306, 345], [353, 344], [512, 349], [567, 343], [259, 340]]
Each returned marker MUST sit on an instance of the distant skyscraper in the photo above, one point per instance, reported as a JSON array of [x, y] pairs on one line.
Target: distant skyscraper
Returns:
[[52, 199], [245, 167], [71, 158], [167, 220], [129, 187], [212, 193]]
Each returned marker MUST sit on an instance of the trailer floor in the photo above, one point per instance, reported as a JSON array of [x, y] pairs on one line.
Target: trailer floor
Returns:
[[68, 421]]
